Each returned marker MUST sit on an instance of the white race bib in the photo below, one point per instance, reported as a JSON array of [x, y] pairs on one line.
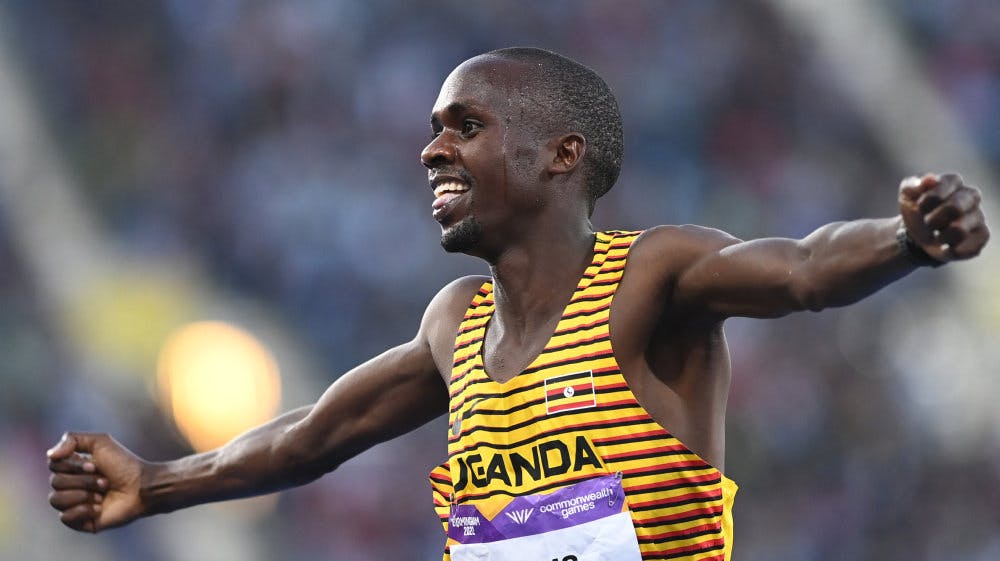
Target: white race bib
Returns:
[[588, 521]]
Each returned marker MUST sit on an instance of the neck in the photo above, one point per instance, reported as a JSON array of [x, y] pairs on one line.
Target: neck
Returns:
[[536, 277]]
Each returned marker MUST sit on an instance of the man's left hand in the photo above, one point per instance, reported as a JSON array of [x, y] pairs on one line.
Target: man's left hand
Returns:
[[942, 216]]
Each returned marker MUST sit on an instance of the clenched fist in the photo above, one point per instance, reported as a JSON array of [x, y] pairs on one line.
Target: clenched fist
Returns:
[[95, 482], [942, 216]]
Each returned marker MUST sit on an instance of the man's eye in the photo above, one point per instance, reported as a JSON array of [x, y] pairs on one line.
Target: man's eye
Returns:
[[470, 126]]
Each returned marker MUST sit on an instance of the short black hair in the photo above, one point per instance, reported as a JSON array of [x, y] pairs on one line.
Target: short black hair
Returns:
[[574, 98]]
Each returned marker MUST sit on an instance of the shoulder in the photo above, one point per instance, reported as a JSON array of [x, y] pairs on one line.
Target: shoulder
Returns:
[[683, 237], [458, 293], [446, 310], [671, 249]]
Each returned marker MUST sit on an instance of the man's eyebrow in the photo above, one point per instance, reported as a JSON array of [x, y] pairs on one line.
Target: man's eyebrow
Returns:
[[457, 107], [453, 107]]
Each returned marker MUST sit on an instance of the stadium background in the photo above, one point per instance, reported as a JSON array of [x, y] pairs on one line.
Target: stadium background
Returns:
[[255, 163]]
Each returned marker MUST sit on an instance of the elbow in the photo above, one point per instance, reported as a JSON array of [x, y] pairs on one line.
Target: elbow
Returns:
[[806, 286], [811, 300], [807, 293], [298, 457]]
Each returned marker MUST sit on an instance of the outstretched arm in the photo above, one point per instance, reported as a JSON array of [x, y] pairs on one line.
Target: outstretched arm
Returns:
[[837, 264], [98, 484], [389, 395]]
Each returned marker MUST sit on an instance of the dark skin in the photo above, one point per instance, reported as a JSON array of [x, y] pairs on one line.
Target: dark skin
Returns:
[[526, 195]]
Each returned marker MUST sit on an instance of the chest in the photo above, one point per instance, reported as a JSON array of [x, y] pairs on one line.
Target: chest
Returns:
[[505, 355]]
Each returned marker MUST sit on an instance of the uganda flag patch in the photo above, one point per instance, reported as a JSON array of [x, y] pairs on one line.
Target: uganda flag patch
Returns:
[[569, 391]]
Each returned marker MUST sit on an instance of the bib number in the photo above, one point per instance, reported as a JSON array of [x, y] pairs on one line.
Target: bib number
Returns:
[[588, 521]]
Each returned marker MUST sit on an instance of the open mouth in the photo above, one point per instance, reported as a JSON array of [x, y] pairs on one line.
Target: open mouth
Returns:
[[445, 193]]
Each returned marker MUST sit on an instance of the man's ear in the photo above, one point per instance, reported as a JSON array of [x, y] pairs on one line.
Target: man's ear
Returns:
[[569, 151]]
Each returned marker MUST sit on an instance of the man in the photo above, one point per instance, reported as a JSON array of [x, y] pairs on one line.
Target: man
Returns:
[[585, 380]]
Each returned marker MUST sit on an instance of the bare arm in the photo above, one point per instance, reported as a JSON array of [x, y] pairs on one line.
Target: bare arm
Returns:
[[836, 265], [98, 484], [389, 395]]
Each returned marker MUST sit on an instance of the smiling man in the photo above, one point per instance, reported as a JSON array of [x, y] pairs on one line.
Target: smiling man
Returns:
[[586, 379]]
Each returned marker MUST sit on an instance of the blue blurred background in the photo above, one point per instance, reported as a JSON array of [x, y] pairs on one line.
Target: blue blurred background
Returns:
[[256, 163]]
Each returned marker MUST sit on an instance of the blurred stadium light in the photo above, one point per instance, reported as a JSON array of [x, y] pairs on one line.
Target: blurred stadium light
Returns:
[[117, 310], [218, 382]]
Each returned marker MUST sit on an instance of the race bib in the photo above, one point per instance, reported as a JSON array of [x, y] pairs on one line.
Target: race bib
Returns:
[[588, 521]]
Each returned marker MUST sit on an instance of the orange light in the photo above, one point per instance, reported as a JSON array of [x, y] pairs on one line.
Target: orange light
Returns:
[[217, 381]]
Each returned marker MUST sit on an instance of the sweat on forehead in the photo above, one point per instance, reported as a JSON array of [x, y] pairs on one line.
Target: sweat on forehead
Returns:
[[489, 72], [492, 84]]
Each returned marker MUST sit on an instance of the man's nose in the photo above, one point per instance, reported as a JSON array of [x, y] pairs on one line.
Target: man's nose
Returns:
[[439, 152]]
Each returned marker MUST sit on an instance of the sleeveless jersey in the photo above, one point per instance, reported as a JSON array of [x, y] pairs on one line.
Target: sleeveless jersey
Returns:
[[570, 416]]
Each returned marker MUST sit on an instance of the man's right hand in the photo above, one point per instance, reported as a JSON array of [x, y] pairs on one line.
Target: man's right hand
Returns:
[[95, 482]]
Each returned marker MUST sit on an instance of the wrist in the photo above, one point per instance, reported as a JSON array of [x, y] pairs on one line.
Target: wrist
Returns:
[[153, 489], [912, 252], [163, 487]]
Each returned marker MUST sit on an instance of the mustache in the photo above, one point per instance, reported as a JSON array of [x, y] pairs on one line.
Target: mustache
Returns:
[[451, 171]]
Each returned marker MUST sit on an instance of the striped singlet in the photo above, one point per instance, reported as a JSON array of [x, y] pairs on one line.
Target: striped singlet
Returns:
[[570, 416]]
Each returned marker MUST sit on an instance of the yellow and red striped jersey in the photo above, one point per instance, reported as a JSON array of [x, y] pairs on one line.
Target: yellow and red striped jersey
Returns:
[[570, 416]]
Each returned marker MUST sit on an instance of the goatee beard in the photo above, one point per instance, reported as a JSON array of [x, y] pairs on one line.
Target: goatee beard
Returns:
[[463, 236]]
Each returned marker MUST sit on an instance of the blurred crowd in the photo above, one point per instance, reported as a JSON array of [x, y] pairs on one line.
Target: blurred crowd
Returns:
[[276, 143]]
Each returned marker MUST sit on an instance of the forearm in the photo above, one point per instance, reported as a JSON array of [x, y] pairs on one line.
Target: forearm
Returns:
[[836, 265], [943, 223], [847, 261], [253, 463], [710, 276]]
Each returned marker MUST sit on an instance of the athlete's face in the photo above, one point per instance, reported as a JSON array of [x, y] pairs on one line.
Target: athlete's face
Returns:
[[480, 159]]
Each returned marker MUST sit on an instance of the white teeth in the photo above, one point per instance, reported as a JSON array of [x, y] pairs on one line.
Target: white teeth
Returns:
[[450, 187]]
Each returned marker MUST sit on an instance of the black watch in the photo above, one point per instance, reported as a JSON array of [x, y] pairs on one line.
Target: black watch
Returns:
[[913, 252]]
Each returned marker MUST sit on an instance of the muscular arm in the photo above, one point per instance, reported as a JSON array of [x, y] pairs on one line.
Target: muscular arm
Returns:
[[98, 484], [389, 395], [838, 264]]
